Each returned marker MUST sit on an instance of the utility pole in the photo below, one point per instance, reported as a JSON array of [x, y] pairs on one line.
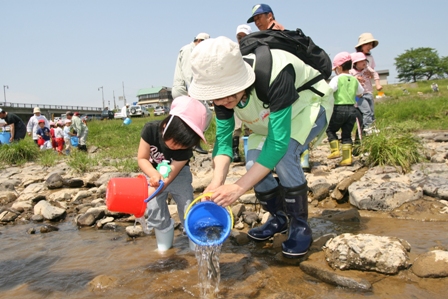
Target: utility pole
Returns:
[[115, 104], [4, 92], [102, 92], [124, 97]]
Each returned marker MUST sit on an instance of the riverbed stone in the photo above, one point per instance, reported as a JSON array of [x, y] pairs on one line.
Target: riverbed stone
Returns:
[[248, 199], [54, 181], [102, 222], [8, 216], [367, 252], [48, 228], [238, 209], [21, 206], [8, 184], [73, 183], [102, 282], [37, 218], [433, 264], [104, 178], [62, 195], [366, 195], [7, 197], [81, 195], [250, 217], [48, 211], [134, 231]]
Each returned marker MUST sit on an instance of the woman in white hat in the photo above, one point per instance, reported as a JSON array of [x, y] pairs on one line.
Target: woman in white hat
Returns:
[[33, 123], [366, 42], [280, 128]]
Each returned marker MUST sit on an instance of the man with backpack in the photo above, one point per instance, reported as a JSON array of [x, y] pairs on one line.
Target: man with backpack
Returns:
[[281, 124], [264, 19]]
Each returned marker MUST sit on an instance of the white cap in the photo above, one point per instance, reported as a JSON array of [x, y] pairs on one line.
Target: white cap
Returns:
[[1, 110], [244, 29], [202, 36]]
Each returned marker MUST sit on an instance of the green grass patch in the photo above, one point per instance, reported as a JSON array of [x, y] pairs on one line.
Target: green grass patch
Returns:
[[18, 153], [81, 162], [48, 158]]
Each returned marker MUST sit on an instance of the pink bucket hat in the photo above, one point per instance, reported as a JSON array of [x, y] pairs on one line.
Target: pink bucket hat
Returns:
[[340, 59], [357, 57], [192, 112]]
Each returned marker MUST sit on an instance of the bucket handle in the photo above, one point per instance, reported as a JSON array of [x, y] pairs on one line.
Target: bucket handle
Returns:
[[161, 184], [200, 197]]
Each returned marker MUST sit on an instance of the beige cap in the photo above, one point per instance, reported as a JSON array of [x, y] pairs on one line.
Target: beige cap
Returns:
[[366, 38], [36, 110]]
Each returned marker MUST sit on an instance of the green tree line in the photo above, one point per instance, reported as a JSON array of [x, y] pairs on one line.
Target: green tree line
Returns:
[[421, 64]]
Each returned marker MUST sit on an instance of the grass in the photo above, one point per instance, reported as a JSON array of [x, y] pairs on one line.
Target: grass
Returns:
[[398, 116]]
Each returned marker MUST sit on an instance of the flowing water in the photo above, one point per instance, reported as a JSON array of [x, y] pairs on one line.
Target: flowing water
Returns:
[[91, 263]]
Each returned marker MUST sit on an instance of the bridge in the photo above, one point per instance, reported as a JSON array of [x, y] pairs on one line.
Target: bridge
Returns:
[[25, 111]]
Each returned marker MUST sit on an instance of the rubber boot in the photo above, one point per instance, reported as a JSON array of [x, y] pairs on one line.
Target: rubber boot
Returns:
[[236, 149], [299, 233], [346, 155], [165, 237], [334, 147], [271, 201], [199, 149], [305, 161]]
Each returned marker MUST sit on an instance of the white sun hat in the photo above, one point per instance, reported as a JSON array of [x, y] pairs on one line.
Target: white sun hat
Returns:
[[218, 70]]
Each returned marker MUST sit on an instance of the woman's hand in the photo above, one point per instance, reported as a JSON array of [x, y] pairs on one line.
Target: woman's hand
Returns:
[[225, 195]]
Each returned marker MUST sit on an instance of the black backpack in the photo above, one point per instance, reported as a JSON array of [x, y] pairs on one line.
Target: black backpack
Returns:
[[294, 42]]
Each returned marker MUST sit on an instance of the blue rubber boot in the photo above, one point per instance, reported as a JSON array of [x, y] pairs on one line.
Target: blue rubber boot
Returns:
[[271, 201], [299, 234]]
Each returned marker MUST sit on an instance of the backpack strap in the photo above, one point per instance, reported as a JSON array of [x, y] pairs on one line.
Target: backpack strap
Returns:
[[309, 85], [263, 69]]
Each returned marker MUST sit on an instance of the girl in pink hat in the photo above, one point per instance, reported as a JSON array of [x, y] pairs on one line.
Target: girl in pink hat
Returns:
[[172, 140]]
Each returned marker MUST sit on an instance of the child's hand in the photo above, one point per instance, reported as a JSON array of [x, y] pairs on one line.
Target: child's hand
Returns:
[[154, 180], [378, 87], [361, 80]]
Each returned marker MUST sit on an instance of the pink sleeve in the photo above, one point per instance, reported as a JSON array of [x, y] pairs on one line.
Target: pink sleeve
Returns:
[[375, 74]]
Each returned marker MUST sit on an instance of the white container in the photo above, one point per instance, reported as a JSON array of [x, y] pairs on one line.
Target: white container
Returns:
[[165, 237]]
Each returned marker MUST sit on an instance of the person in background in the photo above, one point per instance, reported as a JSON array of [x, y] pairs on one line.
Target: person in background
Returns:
[[44, 138], [264, 19], [124, 111], [241, 31], [183, 76], [16, 125], [292, 120], [364, 73], [81, 130], [33, 123], [171, 139], [346, 87], [59, 137], [67, 136], [53, 138]]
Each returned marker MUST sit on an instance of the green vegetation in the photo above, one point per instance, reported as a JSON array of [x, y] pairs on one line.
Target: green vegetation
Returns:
[[399, 115]]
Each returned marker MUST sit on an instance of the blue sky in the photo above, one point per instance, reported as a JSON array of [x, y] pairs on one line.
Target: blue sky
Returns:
[[61, 52]]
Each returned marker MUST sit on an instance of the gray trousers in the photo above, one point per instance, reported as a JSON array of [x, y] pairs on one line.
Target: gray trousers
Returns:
[[158, 215]]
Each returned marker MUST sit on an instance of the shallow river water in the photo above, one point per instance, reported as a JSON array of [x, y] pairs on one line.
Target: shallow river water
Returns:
[[61, 264]]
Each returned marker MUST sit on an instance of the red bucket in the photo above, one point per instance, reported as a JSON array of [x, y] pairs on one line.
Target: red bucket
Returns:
[[127, 195]]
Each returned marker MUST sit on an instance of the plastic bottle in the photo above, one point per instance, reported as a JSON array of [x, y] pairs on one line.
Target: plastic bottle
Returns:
[[164, 168]]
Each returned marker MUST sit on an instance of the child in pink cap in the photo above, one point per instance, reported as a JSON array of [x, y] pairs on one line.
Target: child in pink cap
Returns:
[[172, 140], [345, 87]]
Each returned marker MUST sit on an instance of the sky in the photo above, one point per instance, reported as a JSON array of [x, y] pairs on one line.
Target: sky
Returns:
[[67, 52]]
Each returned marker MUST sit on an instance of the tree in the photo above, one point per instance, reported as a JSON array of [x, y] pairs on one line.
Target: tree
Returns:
[[444, 66], [417, 64]]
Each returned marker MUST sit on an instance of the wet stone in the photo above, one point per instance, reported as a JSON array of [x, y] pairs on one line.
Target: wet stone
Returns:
[[54, 181], [433, 264], [37, 218], [31, 231], [48, 228], [250, 217]]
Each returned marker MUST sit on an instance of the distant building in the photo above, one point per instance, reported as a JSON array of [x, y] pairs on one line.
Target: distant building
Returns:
[[160, 95]]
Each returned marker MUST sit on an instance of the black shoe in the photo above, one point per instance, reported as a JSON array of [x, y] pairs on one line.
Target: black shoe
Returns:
[[200, 150]]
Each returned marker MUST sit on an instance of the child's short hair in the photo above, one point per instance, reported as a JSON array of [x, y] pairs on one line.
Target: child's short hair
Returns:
[[178, 131], [346, 66]]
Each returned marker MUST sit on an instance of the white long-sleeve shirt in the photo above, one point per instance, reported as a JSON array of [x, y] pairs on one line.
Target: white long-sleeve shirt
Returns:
[[182, 73], [33, 124]]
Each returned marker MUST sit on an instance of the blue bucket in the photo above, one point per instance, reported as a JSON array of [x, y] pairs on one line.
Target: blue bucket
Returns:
[[74, 140], [245, 140], [4, 137], [208, 224], [127, 121]]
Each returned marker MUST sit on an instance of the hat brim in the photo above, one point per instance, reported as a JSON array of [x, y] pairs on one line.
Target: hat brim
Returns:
[[374, 41], [215, 92]]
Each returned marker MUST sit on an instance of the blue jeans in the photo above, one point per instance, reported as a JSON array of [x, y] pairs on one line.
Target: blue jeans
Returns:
[[158, 215], [365, 105], [288, 169]]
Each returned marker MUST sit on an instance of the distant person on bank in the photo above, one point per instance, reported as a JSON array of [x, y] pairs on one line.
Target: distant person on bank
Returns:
[[17, 126], [81, 130], [264, 19], [33, 123]]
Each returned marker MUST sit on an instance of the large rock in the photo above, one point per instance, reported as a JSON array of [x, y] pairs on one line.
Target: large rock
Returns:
[[54, 181], [73, 183], [367, 252], [386, 196], [7, 197], [8, 184], [8, 215], [49, 212], [91, 215], [431, 264]]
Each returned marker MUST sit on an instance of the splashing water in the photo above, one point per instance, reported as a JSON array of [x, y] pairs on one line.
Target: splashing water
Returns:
[[209, 273], [142, 221]]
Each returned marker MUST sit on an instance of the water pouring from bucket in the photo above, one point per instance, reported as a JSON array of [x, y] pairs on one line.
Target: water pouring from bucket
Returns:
[[206, 223]]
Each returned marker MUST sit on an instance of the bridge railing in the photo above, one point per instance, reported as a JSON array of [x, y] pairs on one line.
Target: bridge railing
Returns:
[[45, 106]]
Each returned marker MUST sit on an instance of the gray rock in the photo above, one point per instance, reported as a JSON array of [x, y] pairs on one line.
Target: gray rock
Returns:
[[110, 225], [367, 253], [102, 222], [331, 277], [104, 179], [31, 197], [81, 195], [48, 228], [239, 226], [441, 138], [21, 206], [7, 197], [8, 216], [240, 238], [33, 188], [73, 183], [91, 215], [320, 188], [62, 195], [250, 217], [248, 199], [135, 231], [432, 264], [351, 215], [37, 218], [382, 197], [54, 181], [48, 211], [7, 184], [238, 209], [31, 231]]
